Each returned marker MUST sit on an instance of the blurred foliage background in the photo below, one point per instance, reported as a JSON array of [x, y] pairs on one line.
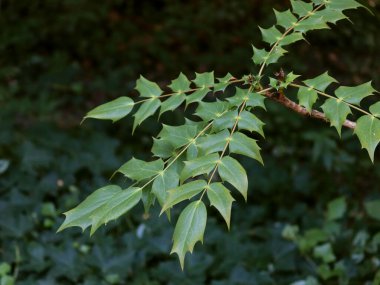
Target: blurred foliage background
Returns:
[[313, 211]]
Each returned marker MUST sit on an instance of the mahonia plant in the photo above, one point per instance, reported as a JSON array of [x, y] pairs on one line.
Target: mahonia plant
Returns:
[[197, 160]]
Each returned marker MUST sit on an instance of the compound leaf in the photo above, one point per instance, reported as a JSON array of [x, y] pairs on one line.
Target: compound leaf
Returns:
[[189, 229], [221, 199]]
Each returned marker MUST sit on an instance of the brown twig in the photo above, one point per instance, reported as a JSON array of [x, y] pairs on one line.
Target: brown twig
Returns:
[[279, 97]]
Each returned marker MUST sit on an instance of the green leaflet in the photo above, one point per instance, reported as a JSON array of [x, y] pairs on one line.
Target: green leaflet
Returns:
[[80, 216], [291, 38], [198, 166], [223, 83], [230, 170], [241, 144], [114, 110], [197, 96], [375, 109], [147, 88], [138, 170], [261, 55], [368, 131], [336, 111], [204, 79], [354, 95], [320, 82], [210, 111], [167, 180], [271, 35], [213, 143], [148, 199], [246, 121], [162, 148], [307, 97], [172, 103], [146, 110], [285, 19], [181, 84], [118, 205], [192, 151], [312, 23], [331, 15], [336, 209], [189, 229], [301, 8], [221, 199], [253, 99], [343, 5], [178, 136], [105, 204], [182, 193]]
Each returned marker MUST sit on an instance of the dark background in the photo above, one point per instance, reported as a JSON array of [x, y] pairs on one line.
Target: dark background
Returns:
[[59, 59]]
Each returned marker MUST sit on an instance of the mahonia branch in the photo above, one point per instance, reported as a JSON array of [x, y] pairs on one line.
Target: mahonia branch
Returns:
[[280, 97]]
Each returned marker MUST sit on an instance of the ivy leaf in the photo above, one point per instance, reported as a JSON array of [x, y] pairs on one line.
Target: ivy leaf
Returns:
[[307, 97], [301, 8], [320, 82], [118, 205], [181, 84], [223, 83], [114, 110], [178, 135], [210, 111], [285, 19], [270, 35], [80, 216], [213, 143], [198, 166], [138, 170], [368, 131], [336, 111], [221, 199], [172, 103], [189, 229], [241, 144], [250, 122], [167, 180], [230, 170], [146, 110], [354, 95], [204, 80], [182, 193], [147, 88]]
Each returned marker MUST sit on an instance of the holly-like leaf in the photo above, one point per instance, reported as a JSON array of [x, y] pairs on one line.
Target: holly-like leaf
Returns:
[[354, 95], [81, 215], [223, 83], [182, 193], [368, 131], [312, 23], [138, 170], [114, 110], [301, 8], [162, 148], [252, 99], [285, 19], [336, 111], [167, 180], [198, 166], [241, 144], [189, 229], [331, 15], [375, 109], [213, 143], [343, 5], [230, 170], [271, 35], [221, 199], [192, 151], [197, 96], [204, 80], [291, 38], [178, 136], [172, 103], [320, 82], [181, 84], [147, 88], [259, 55], [249, 122], [210, 111], [118, 205], [307, 97], [146, 110]]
